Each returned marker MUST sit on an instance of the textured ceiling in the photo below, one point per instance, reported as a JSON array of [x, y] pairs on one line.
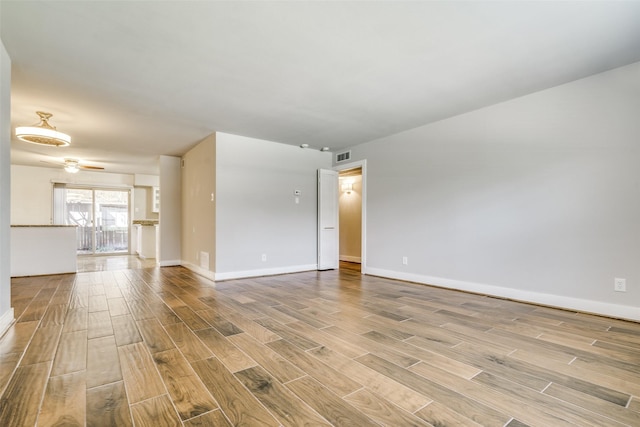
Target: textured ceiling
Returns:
[[132, 80]]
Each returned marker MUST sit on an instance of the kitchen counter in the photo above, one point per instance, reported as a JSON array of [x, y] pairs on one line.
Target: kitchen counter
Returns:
[[145, 236], [43, 249]]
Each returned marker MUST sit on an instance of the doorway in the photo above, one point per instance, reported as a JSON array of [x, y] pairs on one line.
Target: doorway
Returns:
[[352, 216]]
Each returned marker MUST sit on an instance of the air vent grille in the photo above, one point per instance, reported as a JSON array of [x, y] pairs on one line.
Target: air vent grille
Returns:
[[341, 157]]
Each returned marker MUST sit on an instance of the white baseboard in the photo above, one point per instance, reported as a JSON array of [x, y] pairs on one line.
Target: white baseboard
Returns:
[[170, 263], [348, 258], [265, 272], [211, 275], [569, 303], [6, 320]]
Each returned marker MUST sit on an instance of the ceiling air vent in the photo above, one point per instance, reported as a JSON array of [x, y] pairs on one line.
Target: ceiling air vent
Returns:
[[341, 157]]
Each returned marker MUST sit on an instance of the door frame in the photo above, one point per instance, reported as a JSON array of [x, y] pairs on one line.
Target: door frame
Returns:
[[363, 244]]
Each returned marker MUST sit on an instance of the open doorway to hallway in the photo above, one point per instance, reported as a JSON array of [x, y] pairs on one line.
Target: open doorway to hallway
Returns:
[[350, 218]]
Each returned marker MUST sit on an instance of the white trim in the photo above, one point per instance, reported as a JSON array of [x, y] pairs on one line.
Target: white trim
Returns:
[[348, 258], [170, 263], [211, 275], [363, 244], [265, 272], [6, 320], [559, 301]]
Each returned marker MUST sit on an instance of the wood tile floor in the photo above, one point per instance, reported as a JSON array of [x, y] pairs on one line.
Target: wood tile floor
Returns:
[[112, 262], [164, 347]]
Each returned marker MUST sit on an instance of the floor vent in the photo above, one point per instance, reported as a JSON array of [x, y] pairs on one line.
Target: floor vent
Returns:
[[341, 157]]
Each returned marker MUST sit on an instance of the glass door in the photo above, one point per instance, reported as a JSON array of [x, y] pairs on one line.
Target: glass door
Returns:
[[79, 212], [101, 215], [111, 221]]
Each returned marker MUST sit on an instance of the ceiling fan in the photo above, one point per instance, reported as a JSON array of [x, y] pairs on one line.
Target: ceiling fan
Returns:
[[73, 166]]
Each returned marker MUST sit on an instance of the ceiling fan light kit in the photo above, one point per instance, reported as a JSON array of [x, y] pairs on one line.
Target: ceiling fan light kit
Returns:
[[71, 165], [43, 133]]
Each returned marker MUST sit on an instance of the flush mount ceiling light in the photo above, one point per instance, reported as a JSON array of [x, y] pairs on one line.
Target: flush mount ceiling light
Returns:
[[43, 133], [321, 149], [71, 165]]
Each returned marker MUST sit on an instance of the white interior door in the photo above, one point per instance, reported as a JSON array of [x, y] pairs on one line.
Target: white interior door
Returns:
[[327, 219]]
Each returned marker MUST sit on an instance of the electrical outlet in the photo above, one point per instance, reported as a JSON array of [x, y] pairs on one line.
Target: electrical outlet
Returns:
[[405, 260], [264, 257], [620, 285]]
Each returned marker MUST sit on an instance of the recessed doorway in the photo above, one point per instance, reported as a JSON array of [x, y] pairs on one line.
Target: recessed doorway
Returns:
[[352, 216]]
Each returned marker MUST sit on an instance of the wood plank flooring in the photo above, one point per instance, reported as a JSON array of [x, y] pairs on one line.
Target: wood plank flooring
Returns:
[[162, 346]]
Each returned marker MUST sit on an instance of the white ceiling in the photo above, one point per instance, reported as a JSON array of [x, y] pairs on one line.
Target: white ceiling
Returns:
[[132, 80]]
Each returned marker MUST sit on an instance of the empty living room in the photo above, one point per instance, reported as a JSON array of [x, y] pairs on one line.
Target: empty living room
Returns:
[[344, 213]]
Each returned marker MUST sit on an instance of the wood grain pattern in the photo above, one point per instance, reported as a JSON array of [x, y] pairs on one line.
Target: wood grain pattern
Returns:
[[238, 404], [380, 410], [141, 378], [107, 406], [54, 315], [103, 363], [64, 401], [394, 392], [125, 330], [190, 318], [232, 357], [564, 413], [271, 361], [154, 335], [189, 395], [155, 412], [17, 338], [478, 412], [42, 346], [18, 400], [100, 324], [337, 411], [437, 414], [189, 344], [334, 380], [289, 410], [333, 347], [76, 319], [210, 419], [71, 355], [8, 362], [225, 327], [98, 303], [117, 307]]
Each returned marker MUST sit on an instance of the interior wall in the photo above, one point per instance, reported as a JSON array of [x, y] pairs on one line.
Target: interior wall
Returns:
[[257, 213], [169, 236], [32, 194], [6, 312], [350, 221], [198, 206], [536, 198]]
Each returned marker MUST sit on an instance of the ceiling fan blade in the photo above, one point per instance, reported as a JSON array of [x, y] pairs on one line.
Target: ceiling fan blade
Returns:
[[97, 168], [52, 163]]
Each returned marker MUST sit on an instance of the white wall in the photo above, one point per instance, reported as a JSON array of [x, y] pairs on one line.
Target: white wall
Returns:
[[256, 211], [32, 190], [536, 198], [6, 312], [170, 211]]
